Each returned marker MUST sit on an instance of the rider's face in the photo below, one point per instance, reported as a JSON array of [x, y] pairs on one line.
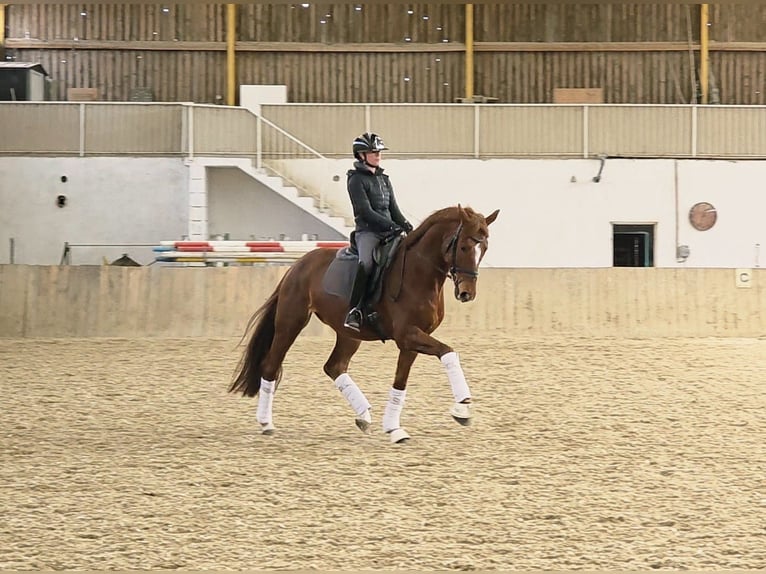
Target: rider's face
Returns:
[[373, 158]]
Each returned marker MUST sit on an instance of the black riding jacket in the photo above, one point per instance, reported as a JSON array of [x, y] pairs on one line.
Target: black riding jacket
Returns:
[[372, 197]]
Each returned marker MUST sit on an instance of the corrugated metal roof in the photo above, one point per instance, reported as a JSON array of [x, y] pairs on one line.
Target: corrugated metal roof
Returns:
[[23, 66]]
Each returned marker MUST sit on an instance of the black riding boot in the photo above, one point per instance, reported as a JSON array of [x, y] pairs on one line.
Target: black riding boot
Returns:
[[358, 293]]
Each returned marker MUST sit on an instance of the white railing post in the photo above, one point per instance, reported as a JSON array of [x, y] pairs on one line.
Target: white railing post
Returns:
[[82, 130], [476, 130], [367, 127]]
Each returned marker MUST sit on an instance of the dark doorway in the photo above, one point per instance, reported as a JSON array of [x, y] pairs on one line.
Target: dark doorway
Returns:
[[633, 245]]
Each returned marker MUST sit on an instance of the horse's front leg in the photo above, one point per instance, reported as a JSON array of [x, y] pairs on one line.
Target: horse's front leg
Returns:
[[416, 340], [393, 411]]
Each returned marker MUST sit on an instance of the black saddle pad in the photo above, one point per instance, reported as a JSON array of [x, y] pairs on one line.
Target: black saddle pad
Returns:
[[339, 278]]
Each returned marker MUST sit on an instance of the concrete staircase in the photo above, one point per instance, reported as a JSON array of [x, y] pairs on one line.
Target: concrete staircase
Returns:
[[301, 198], [303, 193]]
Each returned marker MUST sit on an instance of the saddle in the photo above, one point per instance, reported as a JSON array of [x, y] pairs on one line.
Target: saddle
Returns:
[[338, 280]]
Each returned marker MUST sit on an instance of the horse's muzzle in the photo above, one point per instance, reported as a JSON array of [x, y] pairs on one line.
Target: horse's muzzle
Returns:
[[463, 295], [465, 289]]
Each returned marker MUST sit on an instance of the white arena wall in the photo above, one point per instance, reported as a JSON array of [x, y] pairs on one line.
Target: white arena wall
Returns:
[[109, 200], [110, 301], [129, 201], [552, 212]]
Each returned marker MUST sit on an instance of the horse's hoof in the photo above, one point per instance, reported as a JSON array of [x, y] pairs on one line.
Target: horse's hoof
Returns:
[[268, 428], [363, 426], [364, 421], [461, 412], [398, 436]]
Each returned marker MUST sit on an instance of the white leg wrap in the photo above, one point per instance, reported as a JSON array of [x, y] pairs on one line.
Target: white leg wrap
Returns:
[[265, 401], [353, 394], [393, 410], [455, 376]]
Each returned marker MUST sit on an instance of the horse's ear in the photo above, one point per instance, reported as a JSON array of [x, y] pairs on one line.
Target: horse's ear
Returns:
[[492, 216], [461, 212]]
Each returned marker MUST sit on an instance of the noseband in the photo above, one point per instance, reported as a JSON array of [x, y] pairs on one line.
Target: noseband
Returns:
[[454, 269]]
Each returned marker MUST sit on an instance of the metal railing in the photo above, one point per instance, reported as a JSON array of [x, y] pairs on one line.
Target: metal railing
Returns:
[[285, 131]]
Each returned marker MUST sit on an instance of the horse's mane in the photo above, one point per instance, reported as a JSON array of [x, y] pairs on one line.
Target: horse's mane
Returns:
[[446, 214]]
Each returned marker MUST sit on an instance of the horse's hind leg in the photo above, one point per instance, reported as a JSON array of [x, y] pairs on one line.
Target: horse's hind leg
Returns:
[[336, 367], [291, 317]]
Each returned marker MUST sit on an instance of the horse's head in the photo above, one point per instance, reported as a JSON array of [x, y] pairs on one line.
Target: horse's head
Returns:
[[465, 248]]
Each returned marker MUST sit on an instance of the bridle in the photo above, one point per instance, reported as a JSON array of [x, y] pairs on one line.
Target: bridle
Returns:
[[454, 269]]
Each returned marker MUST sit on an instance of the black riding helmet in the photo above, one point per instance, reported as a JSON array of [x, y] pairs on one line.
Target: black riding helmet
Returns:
[[367, 142]]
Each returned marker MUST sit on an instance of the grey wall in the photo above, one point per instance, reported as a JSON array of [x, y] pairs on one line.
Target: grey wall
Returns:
[[109, 200], [246, 209]]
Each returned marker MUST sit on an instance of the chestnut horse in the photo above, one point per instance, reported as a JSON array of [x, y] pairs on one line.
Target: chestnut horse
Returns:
[[450, 242]]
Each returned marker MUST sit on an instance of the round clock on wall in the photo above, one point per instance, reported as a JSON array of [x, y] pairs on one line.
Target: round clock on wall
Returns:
[[702, 216]]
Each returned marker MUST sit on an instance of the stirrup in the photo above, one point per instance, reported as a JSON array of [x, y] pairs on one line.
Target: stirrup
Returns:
[[353, 320]]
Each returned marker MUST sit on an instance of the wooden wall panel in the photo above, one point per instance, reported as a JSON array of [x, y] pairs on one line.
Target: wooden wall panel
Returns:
[[346, 78], [198, 74], [584, 22], [311, 77], [427, 23], [738, 22], [120, 22], [641, 77], [255, 22], [348, 23], [738, 77], [172, 76], [516, 77]]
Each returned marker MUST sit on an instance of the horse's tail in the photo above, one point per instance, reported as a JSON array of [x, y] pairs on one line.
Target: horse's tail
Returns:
[[249, 371]]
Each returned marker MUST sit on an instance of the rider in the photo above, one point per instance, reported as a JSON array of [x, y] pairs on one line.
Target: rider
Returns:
[[375, 212]]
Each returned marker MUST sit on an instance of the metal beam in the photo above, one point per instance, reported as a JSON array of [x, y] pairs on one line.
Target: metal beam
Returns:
[[231, 54], [401, 2], [204, 46], [469, 52], [704, 53], [2, 26]]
